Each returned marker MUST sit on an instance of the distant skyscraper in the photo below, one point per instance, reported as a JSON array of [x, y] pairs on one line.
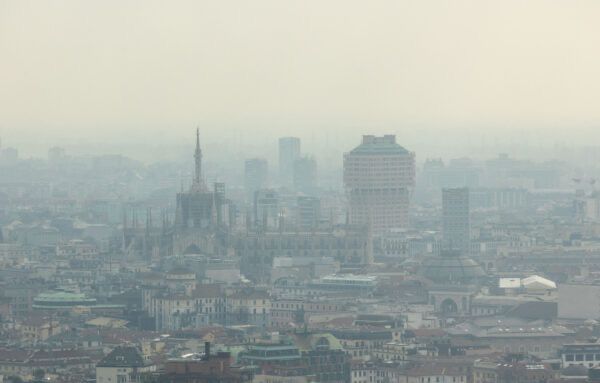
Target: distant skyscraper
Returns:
[[456, 221], [308, 212], [379, 177], [289, 152], [266, 208], [256, 172], [305, 175], [56, 154]]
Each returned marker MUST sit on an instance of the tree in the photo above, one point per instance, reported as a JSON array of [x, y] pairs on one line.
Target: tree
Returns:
[[39, 374]]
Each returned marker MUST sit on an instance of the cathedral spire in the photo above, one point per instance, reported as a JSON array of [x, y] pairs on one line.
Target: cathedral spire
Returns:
[[198, 159]]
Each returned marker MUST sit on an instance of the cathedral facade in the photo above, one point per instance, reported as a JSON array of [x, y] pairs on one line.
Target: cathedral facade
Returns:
[[203, 216]]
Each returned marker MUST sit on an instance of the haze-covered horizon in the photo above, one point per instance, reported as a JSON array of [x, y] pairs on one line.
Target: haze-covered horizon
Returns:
[[327, 148], [440, 75]]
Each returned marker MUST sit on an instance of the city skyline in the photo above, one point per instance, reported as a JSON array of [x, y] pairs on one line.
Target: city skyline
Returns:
[[299, 192]]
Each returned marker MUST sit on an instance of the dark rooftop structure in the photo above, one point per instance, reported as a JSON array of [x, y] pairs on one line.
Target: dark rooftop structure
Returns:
[[123, 356], [451, 267], [372, 145]]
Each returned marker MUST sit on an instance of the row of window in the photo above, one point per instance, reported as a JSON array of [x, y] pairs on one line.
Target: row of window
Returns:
[[582, 357], [298, 306]]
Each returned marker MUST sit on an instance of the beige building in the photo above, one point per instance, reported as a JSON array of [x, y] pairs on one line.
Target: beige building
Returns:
[[392, 352], [379, 177], [249, 307], [38, 328], [174, 311], [288, 311]]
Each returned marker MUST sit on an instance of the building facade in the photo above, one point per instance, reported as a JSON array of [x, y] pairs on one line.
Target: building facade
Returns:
[[308, 212], [456, 220], [256, 173], [124, 364], [379, 177], [289, 152], [349, 245], [305, 175], [201, 214]]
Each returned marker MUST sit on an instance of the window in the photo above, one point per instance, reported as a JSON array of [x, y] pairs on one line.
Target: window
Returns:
[[579, 357]]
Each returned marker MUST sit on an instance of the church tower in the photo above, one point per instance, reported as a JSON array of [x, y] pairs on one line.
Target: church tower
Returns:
[[197, 217], [198, 184]]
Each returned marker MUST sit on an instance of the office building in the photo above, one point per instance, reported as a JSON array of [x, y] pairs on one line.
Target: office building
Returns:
[[379, 177], [456, 223], [256, 172], [305, 175], [289, 152], [266, 208], [308, 212]]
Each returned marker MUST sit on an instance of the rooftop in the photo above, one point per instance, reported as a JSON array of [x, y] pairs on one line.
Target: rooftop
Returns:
[[454, 268], [385, 145], [123, 356], [61, 296], [349, 277]]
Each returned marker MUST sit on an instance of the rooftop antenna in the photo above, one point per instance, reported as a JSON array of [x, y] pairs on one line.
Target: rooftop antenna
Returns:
[[198, 160]]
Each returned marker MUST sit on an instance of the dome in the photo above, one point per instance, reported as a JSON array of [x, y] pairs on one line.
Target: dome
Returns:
[[451, 267]]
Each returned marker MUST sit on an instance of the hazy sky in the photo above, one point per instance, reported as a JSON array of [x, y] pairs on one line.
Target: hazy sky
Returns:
[[99, 69]]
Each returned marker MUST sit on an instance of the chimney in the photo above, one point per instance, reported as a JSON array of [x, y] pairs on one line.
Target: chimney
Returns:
[[206, 350]]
